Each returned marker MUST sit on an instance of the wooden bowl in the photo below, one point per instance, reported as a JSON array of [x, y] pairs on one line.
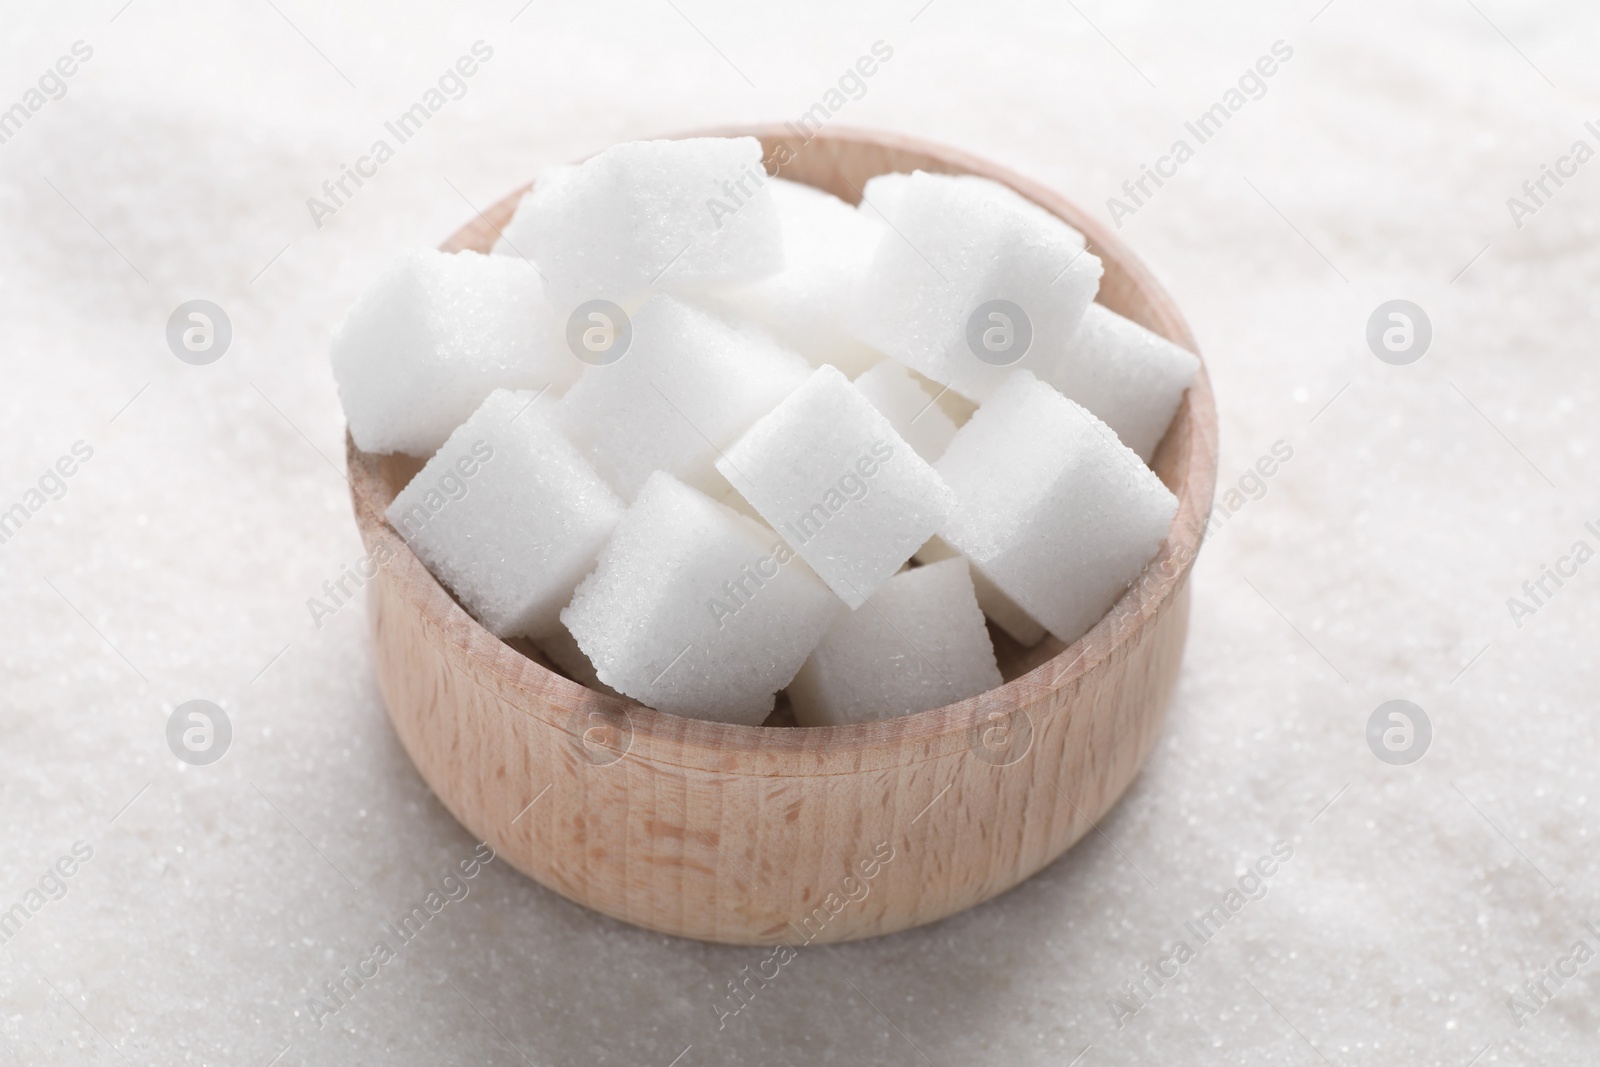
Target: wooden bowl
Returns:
[[760, 835]]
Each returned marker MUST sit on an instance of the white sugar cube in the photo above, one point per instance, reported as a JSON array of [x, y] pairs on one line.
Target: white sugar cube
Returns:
[[697, 610], [1131, 378], [881, 200], [678, 214], [880, 197], [1057, 512], [423, 346], [1001, 609], [827, 246], [563, 650], [515, 234], [686, 386], [828, 471], [723, 492], [919, 642], [508, 515], [910, 408], [968, 287]]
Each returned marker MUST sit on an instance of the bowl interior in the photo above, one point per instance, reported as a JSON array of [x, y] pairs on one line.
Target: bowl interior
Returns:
[[841, 161]]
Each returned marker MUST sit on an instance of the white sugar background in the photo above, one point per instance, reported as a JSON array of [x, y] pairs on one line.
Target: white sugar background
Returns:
[[1391, 540]]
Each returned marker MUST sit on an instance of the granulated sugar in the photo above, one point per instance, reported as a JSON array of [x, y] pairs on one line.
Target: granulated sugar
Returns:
[[1376, 564]]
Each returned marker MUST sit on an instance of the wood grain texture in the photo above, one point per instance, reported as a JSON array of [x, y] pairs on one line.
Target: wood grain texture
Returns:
[[761, 835]]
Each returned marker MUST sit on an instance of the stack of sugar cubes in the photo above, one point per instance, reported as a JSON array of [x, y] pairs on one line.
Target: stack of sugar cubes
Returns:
[[703, 436]]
